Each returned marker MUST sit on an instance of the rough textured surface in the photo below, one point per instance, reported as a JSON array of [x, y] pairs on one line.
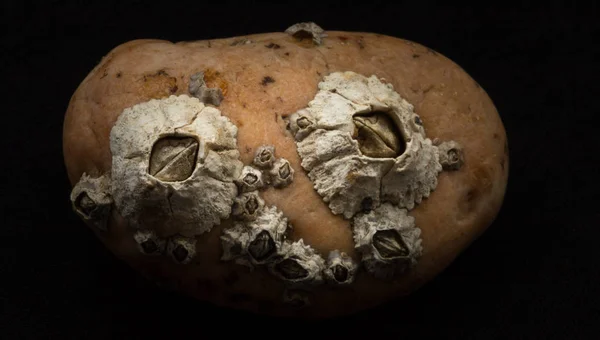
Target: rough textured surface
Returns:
[[340, 268], [449, 103], [192, 203], [91, 200]]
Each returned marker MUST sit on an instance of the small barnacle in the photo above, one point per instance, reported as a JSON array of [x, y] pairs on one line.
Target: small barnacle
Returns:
[[388, 240], [340, 268], [92, 201], [301, 124], [264, 157], [450, 155], [307, 30], [296, 298], [282, 173], [298, 264], [255, 242], [181, 249], [247, 206], [173, 158], [251, 179], [198, 89], [148, 242]]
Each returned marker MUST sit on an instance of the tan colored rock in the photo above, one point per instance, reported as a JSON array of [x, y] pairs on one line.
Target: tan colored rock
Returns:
[[253, 93]]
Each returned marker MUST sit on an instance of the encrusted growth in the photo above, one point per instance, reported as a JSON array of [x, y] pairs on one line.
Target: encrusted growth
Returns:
[[181, 249], [197, 88], [282, 173], [251, 179], [149, 243], [91, 200], [361, 145], [255, 242], [247, 206], [298, 264], [264, 157], [388, 240], [451, 155], [305, 30], [174, 165], [340, 268]]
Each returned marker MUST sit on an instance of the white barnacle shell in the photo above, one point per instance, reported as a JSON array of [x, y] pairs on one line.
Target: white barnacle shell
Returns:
[[307, 29], [181, 249], [247, 206], [264, 157], [340, 268], [148, 242], [362, 145], [388, 240], [298, 265], [174, 165], [251, 179], [255, 242], [450, 155], [197, 88], [281, 174], [91, 200]]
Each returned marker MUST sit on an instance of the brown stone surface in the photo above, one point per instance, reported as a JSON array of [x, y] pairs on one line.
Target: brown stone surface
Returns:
[[261, 85]]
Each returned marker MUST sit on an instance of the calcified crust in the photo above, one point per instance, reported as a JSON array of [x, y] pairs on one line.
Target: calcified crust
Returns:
[[189, 206], [92, 201], [255, 242], [388, 240], [298, 265], [347, 179], [340, 268]]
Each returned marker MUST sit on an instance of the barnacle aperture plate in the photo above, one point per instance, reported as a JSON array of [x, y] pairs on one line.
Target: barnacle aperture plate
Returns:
[[174, 165]]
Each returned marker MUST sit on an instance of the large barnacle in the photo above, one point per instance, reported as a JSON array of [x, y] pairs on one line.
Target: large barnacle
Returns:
[[298, 265], [174, 165], [92, 201], [388, 240], [340, 268]]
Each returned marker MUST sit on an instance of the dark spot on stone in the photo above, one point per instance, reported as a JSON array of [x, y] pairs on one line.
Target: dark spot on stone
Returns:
[[340, 273], [231, 278], [318, 73], [118, 75], [262, 247], [267, 80], [161, 73], [280, 100], [174, 89], [366, 204], [333, 90], [180, 253], [496, 136], [418, 121], [502, 163], [104, 74], [149, 247], [287, 54], [291, 269], [244, 105], [390, 244], [273, 46], [343, 39], [415, 56]]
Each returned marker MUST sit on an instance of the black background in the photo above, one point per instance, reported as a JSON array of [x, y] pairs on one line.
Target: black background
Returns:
[[533, 274]]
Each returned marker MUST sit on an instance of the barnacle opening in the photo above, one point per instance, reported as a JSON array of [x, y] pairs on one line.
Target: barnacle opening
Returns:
[[284, 170], [291, 269], [389, 244], [173, 158], [250, 179], [378, 135], [340, 273], [149, 247], [262, 247], [180, 253], [85, 204], [251, 205]]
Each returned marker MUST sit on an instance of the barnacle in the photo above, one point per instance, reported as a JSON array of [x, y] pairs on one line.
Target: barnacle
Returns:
[[181, 249], [307, 30], [264, 157], [247, 206], [148, 242], [197, 88], [361, 145], [451, 155], [298, 265], [92, 201], [388, 240], [174, 165], [255, 242], [251, 179], [340, 268], [281, 174]]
